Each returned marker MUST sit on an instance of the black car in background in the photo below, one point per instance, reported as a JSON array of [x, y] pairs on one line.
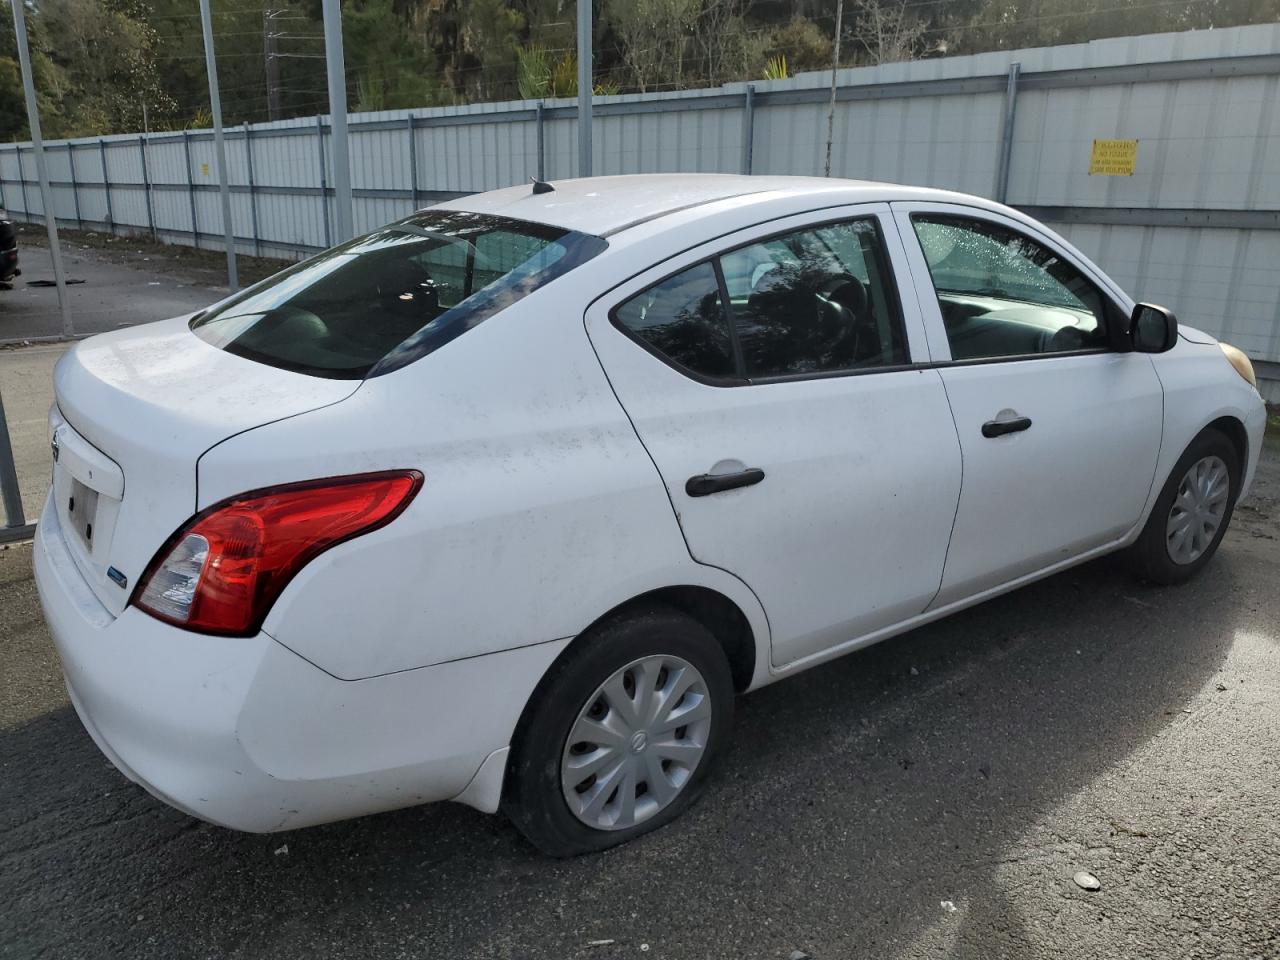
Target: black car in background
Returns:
[[8, 250]]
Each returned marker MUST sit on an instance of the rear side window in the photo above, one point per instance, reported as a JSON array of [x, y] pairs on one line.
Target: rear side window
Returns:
[[810, 302], [814, 301], [381, 301], [683, 319]]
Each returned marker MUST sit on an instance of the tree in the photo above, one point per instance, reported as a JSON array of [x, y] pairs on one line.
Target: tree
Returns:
[[105, 49], [888, 30], [723, 43], [97, 62], [654, 35], [803, 43], [390, 69], [47, 77]]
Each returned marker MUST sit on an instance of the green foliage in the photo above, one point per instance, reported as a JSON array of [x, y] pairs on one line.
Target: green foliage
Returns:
[[564, 77], [106, 50], [802, 43], [533, 68], [97, 63], [540, 77], [655, 35], [391, 70], [13, 112]]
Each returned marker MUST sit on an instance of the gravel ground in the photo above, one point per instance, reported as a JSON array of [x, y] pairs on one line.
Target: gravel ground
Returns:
[[932, 796]]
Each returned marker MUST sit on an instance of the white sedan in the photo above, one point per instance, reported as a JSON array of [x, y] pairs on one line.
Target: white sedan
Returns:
[[504, 502]]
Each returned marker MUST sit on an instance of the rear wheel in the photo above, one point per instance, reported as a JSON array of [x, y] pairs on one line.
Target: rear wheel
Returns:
[[1191, 515], [621, 734]]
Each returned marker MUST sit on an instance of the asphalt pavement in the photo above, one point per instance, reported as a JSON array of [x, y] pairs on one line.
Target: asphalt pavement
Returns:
[[931, 796], [110, 294]]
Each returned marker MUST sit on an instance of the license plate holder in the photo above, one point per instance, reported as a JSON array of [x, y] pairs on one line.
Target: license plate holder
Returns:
[[82, 510]]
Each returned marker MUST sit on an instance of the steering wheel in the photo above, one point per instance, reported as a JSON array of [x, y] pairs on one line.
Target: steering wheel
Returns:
[[844, 301]]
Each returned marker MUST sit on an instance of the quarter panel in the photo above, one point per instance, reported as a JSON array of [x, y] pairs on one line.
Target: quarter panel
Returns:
[[540, 510]]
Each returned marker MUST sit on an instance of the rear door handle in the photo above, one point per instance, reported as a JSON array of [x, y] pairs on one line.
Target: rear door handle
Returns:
[[998, 428], [707, 483]]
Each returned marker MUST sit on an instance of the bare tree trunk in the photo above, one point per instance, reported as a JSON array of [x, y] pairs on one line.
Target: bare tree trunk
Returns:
[[835, 66]]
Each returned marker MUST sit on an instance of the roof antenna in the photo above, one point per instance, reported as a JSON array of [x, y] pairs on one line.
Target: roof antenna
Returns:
[[541, 186]]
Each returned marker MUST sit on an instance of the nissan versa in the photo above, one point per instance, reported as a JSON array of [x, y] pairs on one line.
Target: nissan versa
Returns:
[[504, 502]]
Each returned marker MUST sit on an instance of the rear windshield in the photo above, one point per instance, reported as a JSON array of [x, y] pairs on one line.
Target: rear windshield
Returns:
[[383, 300]]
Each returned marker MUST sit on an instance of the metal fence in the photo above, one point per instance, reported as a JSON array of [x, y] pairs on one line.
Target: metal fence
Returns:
[[1196, 225]]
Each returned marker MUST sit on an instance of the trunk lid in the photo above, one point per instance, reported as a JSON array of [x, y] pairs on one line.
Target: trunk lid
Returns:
[[135, 411]]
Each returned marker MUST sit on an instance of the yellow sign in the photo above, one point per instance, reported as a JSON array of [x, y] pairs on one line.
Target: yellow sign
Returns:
[[204, 167], [1113, 158]]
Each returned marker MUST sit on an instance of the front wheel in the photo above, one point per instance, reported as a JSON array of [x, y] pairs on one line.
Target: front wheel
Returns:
[[1191, 514], [620, 736]]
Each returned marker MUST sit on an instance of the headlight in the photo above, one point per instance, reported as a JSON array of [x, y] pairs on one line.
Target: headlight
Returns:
[[1238, 360]]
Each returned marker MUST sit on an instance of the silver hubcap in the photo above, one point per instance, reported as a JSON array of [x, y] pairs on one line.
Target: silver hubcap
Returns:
[[1197, 510], [636, 743]]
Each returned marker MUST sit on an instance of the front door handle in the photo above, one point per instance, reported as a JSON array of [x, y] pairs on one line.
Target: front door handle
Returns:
[[707, 483], [998, 428]]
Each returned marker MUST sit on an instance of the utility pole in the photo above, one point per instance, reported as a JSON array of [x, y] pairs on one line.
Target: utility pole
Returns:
[[584, 88], [219, 145], [42, 171], [272, 62], [831, 110], [338, 119]]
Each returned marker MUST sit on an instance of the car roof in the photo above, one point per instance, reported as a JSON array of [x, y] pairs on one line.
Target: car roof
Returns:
[[607, 205]]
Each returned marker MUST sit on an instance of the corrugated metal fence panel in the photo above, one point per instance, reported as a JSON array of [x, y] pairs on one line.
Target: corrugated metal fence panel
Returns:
[[1223, 281], [1204, 106], [1212, 143]]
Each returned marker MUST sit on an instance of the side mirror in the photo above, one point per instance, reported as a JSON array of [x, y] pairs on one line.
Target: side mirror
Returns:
[[1152, 329]]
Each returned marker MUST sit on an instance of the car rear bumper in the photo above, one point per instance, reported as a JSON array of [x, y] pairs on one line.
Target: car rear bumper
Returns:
[[244, 733]]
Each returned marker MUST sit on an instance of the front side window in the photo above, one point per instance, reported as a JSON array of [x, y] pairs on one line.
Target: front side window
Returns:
[[383, 300], [1003, 294], [810, 302]]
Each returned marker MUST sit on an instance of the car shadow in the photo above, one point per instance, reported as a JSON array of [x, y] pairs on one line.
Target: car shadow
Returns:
[[853, 799]]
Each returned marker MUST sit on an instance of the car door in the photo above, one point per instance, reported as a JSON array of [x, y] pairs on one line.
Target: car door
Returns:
[[1059, 424], [770, 377]]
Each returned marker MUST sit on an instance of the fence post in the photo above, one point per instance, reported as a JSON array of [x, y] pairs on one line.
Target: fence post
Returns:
[[324, 183], [22, 177], [13, 518], [146, 186], [541, 119], [748, 126], [191, 189], [1006, 145], [253, 189], [106, 184], [585, 79], [75, 187], [413, 165]]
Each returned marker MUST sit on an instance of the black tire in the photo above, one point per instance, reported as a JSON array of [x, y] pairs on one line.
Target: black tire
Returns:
[[532, 794], [1150, 555]]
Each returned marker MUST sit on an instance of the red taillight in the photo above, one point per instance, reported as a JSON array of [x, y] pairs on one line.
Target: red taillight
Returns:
[[222, 571]]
